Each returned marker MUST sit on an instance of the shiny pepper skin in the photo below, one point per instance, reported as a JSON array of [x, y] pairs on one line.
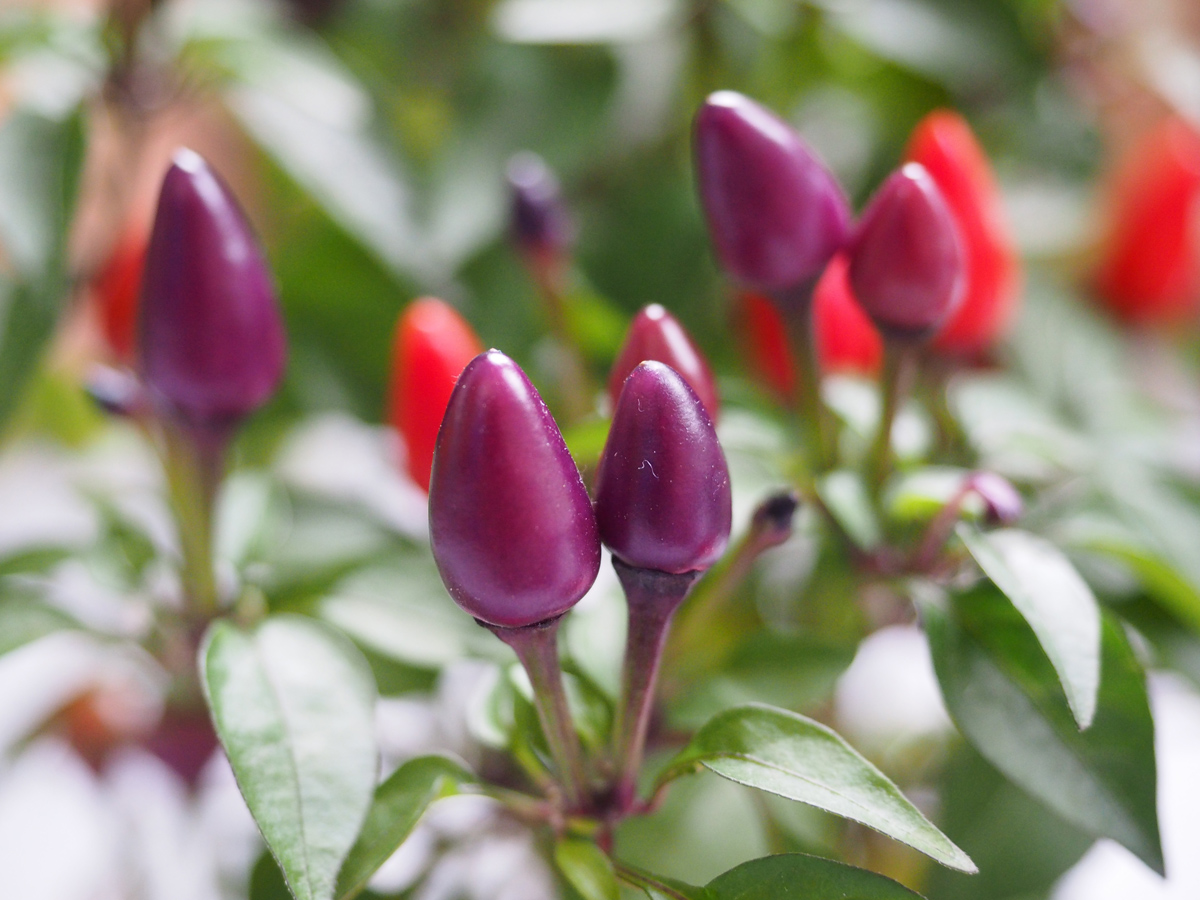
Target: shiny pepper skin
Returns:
[[847, 342], [775, 213], [655, 334], [511, 525], [906, 260], [663, 498], [116, 290], [432, 345], [211, 343], [945, 145], [1150, 261]]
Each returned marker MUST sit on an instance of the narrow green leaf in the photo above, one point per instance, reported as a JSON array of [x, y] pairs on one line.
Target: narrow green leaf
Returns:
[[40, 160], [23, 620], [1001, 692], [846, 498], [293, 704], [1055, 601], [399, 803], [794, 876], [659, 887], [792, 756], [587, 869]]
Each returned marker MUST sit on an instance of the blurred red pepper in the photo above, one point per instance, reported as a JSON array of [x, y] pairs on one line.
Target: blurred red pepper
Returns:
[[1150, 263], [116, 289], [432, 345], [846, 339], [945, 145]]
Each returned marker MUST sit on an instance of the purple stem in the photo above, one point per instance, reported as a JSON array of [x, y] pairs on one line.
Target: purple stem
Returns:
[[653, 597], [536, 647]]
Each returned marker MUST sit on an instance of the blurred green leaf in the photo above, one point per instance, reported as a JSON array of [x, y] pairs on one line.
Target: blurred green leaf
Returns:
[[786, 754], [586, 868], [794, 876], [1003, 694], [40, 162], [293, 705], [1021, 847], [846, 498], [399, 803], [24, 620], [1055, 601]]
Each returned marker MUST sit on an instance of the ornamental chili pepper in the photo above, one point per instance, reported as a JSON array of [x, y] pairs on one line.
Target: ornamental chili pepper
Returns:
[[431, 346], [1149, 270], [116, 290], [511, 525], [775, 213], [655, 334], [211, 344], [906, 260], [945, 145]]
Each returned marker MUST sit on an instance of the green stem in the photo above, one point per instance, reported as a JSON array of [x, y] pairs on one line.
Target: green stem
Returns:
[[815, 420], [536, 647], [896, 356], [640, 879], [653, 597], [193, 460]]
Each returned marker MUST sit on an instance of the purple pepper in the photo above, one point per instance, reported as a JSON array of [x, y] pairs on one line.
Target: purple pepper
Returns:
[[775, 213], [512, 528], [1002, 502], [656, 334], [906, 261], [212, 343], [541, 225], [662, 490]]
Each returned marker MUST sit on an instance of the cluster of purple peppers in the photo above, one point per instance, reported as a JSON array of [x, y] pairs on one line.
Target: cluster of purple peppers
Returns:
[[514, 532], [777, 216]]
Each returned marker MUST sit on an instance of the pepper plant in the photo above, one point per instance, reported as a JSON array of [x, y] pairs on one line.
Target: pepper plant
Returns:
[[679, 537]]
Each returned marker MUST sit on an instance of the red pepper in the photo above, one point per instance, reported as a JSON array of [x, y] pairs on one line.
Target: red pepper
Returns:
[[846, 340], [945, 145], [116, 289], [432, 345], [1150, 264]]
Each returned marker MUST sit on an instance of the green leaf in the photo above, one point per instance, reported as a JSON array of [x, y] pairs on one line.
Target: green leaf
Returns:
[[399, 803], [293, 705], [40, 159], [846, 498], [795, 757], [24, 620], [795, 876], [587, 869], [1055, 601], [1001, 692]]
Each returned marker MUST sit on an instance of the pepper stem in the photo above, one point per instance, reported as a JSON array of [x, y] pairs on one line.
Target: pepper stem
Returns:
[[653, 597], [194, 461], [897, 356], [536, 647], [796, 304]]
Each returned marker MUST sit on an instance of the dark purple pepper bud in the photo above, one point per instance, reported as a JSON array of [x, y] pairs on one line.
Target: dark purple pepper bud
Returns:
[[212, 345], [906, 262], [540, 223], [1002, 502], [662, 489], [655, 334], [775, 213], [512, 528]]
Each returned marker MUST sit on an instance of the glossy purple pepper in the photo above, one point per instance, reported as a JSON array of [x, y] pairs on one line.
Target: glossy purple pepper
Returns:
[[511, 525], [775, 213], [906, 260], [540, 223], [662, 489], [212, 344], [655, 334]]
